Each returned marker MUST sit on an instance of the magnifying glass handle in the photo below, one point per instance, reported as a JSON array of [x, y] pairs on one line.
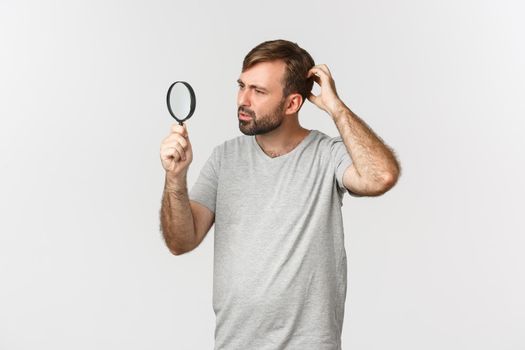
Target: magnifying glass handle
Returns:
[[181, 123]]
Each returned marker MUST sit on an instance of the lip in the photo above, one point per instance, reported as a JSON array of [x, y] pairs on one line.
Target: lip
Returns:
[[243, 116]]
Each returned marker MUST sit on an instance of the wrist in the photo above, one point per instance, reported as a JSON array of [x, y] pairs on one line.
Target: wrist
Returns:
[[175, 182], [339, 110]]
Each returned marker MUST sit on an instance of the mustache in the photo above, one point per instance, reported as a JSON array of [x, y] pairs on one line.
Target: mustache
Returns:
[[245, 110]]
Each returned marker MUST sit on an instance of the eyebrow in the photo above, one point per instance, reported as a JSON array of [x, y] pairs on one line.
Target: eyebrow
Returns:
[[253, 86]]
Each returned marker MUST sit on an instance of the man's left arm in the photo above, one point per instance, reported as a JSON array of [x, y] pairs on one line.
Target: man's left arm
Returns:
[[374, 169]]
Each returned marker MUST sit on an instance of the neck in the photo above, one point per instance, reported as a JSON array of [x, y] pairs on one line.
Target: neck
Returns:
[[283, 139]]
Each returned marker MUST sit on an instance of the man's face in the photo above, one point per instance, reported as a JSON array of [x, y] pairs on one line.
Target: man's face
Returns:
[[260, 99]]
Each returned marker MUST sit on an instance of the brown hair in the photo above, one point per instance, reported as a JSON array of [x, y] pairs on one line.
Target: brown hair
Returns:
[[298, 63]]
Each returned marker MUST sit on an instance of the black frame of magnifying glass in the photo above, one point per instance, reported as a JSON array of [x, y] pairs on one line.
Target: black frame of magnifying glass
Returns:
[[192, 103]]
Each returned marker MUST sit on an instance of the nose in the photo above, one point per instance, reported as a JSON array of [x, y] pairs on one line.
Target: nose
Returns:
[[243, 97]]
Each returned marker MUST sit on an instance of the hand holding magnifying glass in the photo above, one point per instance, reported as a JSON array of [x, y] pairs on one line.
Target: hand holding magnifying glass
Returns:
[[176, 153]]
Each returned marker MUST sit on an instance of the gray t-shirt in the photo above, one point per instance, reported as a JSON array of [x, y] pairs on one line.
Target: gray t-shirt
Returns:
[[280, 270]]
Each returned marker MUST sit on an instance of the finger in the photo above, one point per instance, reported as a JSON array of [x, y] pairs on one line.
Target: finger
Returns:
[[313, 71], [180, 139], [322, 68], [312, 98], [186, 135], [174, 146], [319, 76], [181, 150], [170, 153], [175, 138], [313, 75], [322, 77], [176, 128], [325, 69]]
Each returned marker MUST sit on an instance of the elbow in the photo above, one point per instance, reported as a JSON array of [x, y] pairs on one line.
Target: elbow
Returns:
[[380, 183], [178, 251], [176, 248], [175, 245], [388, 180]]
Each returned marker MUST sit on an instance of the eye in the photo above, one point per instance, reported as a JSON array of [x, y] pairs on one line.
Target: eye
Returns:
[[259, 91]]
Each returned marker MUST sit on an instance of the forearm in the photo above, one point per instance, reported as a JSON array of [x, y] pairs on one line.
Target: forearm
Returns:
[[176, 217], [372, 158]]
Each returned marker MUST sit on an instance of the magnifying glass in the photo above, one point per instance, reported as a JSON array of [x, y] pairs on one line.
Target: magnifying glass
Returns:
[[181, 101]]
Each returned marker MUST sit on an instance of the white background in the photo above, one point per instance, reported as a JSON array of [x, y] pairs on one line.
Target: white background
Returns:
[[436, 263]]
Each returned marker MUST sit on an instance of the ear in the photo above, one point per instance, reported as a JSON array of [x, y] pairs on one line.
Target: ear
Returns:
[[293, 103]]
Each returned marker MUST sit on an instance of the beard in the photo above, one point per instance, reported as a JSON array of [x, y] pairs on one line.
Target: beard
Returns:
[[262, 124]]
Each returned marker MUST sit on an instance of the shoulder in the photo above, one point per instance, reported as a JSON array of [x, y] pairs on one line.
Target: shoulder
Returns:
[[231, 145], [326, 141]]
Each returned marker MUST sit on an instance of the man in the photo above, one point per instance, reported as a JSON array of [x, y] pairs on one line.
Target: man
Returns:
[[275, 196]]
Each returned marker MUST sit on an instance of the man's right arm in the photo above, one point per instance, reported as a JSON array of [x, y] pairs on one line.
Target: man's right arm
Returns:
[[184, 223], [176, 218]]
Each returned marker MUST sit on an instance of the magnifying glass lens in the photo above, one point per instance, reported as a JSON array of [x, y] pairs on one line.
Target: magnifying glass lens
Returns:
[[180, 101]]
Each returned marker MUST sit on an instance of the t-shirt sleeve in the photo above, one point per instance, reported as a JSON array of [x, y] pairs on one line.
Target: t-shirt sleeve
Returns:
[[342, 161], [204, 190]]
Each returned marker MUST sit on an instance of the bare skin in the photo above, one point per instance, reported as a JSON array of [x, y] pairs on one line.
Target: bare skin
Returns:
[[261, 91], [265, 112], [184, 223], [375, 169]]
